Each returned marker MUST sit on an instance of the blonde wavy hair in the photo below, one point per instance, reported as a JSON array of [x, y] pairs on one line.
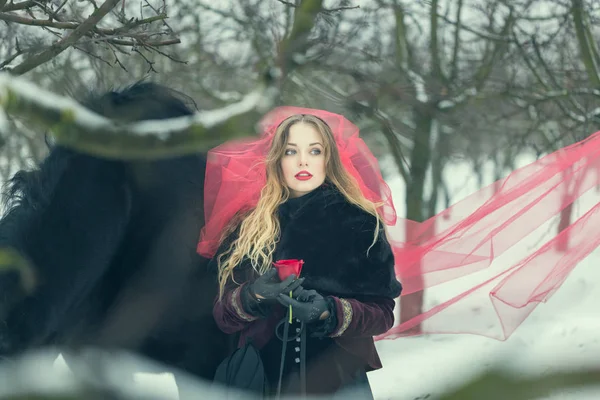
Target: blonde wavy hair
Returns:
[[259, 229]]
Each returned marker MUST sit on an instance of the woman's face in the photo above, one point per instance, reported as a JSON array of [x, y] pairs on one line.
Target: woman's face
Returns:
[[303, 161]]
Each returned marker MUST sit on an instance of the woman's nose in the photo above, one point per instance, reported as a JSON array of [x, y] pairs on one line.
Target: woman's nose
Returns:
[[303, 161]]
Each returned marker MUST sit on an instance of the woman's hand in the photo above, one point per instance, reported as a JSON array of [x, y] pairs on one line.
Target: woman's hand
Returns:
[[267, 287], [308, 305]]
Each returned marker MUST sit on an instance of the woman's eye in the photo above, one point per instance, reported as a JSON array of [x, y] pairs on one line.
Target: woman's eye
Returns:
[[314, 152]]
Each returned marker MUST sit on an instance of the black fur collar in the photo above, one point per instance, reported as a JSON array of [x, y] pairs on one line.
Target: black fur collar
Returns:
[[332, 237]]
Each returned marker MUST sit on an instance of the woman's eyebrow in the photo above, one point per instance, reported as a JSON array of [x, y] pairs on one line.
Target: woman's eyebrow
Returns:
[[310, 144]]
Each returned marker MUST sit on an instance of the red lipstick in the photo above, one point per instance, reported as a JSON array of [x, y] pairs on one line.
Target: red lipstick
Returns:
[[303, 175]]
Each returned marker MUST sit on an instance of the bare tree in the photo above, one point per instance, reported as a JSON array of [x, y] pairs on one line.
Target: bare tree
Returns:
[[563, 99], [455, 86], [56, 42], [423, 84], [65, 22]]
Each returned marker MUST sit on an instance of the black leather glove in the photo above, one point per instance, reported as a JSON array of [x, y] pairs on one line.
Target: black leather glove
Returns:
[[267, 287], [308, 306]]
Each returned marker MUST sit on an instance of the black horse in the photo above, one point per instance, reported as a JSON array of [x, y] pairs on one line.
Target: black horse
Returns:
[[113, 245]]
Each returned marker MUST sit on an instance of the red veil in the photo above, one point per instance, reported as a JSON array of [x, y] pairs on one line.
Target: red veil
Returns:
[[459, 255]]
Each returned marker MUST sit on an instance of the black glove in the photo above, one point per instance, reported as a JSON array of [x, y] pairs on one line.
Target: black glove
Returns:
[[267, 287], [308, 305]]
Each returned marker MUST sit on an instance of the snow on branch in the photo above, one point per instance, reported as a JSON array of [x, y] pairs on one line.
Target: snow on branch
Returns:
[[102, 374], [96, 374], [419, 85], [76, 127], [458, 99], [529, 99]]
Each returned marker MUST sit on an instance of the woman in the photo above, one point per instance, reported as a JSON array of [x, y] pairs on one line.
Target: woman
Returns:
[[313, 209]]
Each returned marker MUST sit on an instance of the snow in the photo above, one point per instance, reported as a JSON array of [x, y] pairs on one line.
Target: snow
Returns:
[[47, 99], [561, 334], [461, 98]]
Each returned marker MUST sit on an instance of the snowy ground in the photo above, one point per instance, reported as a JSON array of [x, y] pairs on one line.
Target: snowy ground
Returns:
[[560, 334]]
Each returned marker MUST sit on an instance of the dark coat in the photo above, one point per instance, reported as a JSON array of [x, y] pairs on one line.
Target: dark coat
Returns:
[[332, 237]]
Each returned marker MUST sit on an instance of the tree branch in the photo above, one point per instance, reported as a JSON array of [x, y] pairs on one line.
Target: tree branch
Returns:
[[78, 128], [456, 48], [132, 43], [551, 89], [24, 5], [395, 147], [97, 374], [325, 10], [549, 73], [400, 36], [585, 44], [67, 41], [436, 61], [483, 35], [490, 58], [49, 23], [12, 57], [297, 41]]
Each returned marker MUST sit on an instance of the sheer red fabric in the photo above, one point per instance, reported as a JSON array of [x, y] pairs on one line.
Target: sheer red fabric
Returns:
[[474, 285], [529, 212]]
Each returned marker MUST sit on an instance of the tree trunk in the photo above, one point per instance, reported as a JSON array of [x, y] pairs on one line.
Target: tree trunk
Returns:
[[565, 220], [411, 304]]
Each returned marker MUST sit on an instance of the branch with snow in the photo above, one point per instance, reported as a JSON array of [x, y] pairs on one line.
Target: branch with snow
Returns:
[[457, 100], [99, 374], [96, 375], [419, 85], [529, 100], [78, 128]]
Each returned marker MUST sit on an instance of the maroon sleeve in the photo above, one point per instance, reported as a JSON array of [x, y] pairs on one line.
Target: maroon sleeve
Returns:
[[363, 319], [228, 312]]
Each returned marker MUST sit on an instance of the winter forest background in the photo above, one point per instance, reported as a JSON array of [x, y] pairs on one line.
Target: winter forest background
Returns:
[[471, 86]]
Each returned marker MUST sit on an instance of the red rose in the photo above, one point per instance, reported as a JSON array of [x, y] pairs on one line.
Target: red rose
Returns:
[[286, 268]]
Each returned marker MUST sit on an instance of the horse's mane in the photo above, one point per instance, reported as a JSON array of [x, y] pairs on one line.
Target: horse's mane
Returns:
[[140, 101], [137, 102]]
